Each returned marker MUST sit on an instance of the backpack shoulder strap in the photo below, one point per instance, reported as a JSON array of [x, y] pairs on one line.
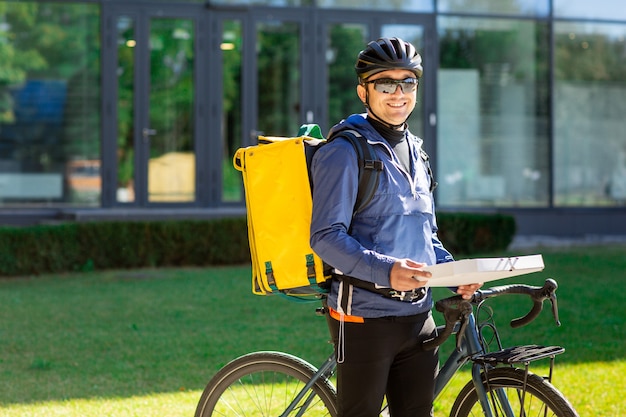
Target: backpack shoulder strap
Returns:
[[369, 167], [426, 159]]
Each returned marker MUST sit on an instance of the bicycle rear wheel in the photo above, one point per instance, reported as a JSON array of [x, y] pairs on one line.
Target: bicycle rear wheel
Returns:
[[263, 384], [540, 398]]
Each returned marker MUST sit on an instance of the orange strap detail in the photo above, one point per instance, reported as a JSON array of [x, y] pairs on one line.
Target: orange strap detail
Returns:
[[346, 318]]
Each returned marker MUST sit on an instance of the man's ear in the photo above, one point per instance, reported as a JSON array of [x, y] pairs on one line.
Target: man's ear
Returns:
[[360, 91]]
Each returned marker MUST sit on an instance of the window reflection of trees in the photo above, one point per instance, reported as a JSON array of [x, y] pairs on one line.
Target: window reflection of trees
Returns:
[[494, 151], [589, 103], [49, 94]]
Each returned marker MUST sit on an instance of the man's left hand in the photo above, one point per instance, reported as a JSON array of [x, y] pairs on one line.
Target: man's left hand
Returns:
[[467, 291]]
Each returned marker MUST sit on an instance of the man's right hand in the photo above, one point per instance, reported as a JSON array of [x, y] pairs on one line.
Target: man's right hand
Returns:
[[407, 275]]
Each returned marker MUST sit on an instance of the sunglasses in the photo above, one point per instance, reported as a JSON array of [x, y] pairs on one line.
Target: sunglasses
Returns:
[[389, 85]]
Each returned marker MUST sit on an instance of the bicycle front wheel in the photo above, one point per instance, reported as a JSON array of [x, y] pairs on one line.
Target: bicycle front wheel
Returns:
[[264, 384], [505, 389]]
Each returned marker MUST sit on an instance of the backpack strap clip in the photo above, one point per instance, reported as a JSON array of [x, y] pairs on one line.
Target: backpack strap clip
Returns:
[[373, 165]]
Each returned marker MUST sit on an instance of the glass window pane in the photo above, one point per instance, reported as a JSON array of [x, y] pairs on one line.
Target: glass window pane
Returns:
[[412, 5], [273, 3], [126, 42], [512, 7], [597, 9], [493, 118], [344, 43], [589, 109], [49, 104], [171, 168], [231, 104], [278, 66], [406, 5]]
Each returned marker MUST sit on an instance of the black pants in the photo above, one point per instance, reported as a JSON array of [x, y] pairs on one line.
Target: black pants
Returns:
[[384, 357]]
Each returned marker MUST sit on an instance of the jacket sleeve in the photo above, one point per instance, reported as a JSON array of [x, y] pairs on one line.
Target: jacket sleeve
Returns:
[[441, 252], [334, 173]]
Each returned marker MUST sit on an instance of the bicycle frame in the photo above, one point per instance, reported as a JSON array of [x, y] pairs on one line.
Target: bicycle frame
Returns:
[[498, 385], [471, 345], [459, 357], [324, 371]]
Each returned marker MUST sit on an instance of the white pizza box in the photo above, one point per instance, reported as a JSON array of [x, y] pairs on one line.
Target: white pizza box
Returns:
[[470, 271]]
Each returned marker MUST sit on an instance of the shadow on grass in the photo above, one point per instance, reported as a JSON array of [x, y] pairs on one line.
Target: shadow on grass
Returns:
[[126, 333], [130, 333]]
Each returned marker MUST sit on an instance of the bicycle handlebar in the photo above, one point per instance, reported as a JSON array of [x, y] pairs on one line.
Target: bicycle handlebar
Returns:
[[457, 310], [537, 294]]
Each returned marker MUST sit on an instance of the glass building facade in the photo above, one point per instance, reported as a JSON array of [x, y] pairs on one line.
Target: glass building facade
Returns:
[[133, 109]]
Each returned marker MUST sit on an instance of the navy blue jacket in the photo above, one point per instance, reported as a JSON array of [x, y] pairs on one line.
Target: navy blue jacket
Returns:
[[399, 222]]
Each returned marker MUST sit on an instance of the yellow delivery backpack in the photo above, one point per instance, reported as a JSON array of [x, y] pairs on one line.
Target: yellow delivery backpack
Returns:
[[278, 205]]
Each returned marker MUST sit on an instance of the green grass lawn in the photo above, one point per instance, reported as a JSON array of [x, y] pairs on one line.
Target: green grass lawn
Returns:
[[145, 342]]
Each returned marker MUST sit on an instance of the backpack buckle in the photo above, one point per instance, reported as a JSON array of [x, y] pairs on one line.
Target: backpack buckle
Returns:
[[374, 165]]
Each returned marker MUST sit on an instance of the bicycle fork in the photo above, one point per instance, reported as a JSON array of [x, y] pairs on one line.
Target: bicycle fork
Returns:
[[495, 397]]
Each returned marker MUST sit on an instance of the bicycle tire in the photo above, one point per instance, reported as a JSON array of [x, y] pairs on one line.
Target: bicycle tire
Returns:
[[541, 397], [264, 384]]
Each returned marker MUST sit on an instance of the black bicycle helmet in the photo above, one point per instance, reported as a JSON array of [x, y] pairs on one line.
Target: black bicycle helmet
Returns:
[[388, 54]]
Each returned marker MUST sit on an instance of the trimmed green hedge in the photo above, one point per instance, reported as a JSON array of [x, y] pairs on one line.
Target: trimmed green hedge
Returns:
[[120, 245], [472, 233]]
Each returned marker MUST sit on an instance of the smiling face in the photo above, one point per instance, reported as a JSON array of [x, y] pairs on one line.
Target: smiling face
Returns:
[[392, 108]]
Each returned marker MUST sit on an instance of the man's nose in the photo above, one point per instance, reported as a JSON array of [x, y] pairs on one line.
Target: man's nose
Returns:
[[398, 87]]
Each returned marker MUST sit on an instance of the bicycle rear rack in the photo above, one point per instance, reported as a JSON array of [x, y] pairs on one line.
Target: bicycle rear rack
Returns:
[[519, 354]]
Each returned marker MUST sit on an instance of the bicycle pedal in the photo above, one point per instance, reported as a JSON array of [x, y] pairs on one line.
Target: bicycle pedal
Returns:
[[321, 311]]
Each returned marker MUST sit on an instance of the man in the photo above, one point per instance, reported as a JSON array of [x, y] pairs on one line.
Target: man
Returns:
[[379, 304]]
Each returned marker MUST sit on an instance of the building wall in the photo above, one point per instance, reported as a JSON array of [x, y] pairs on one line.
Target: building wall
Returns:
[[528, 118]]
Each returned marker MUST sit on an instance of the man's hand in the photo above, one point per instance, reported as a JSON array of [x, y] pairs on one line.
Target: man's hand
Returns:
[[406, 275], [467, 291]]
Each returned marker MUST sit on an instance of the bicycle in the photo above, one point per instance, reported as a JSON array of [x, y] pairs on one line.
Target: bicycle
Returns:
[[280, 384]]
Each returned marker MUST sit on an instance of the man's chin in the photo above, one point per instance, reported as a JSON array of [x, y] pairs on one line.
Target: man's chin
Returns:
[[397, 120]]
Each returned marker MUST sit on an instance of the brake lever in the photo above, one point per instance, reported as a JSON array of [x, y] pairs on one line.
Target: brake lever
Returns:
[[550, 293], [460, 335], [465, 309], [555, 309]]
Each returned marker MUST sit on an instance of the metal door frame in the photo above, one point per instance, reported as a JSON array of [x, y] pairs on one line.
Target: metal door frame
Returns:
[[208, 94], [142, 13]]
